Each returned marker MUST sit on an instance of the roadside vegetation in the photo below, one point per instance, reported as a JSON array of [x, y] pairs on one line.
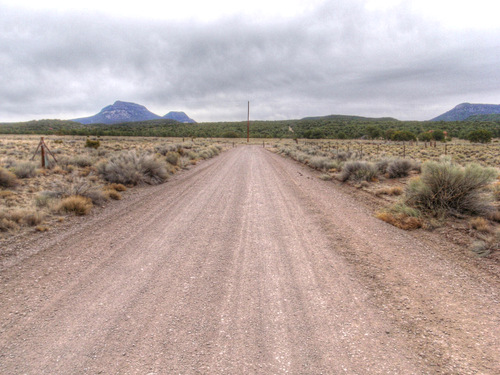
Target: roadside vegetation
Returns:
[[418, 185], [89, 173]]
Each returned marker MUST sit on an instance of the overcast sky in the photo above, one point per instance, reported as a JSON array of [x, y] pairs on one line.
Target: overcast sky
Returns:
[[411, 60]]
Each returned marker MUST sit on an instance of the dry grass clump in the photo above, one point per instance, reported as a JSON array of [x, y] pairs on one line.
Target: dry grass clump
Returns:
[[129, 168], [496, 191], [33, 218], [117, 187], [402, 216], [494, 216], [326, 177], [7, 178], [12, 220], [486, 244], [76, 204], [25, 169], [112, 193], [447, 187], [480, 224], [392, 190]]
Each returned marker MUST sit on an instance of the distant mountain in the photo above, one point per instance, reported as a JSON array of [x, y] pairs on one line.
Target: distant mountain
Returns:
[[179, 116], [119, 112], [465, 110]]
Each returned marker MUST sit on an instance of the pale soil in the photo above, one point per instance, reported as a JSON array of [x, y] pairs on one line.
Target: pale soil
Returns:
[[248, 263]]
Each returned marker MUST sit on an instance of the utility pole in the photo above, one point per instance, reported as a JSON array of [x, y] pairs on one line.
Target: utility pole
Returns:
[[248, 123]]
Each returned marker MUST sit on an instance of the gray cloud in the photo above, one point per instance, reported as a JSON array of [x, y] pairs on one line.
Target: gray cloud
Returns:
[[337, 59]]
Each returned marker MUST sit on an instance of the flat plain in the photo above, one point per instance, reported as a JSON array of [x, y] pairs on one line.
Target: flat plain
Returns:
[[245, 263]]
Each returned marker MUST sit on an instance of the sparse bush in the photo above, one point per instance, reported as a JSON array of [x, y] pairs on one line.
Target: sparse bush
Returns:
[[97, 196], [6, 224], [358, 171], [382, 165], [7, 178], [131, 169], [323, 163], [81, 161], [173, 157], [399, 168], [164, 149], [33, 218], [25, 170], [343, 155], [192, 155], [44, 198], [92, 143], [447, 187], [76, 204]]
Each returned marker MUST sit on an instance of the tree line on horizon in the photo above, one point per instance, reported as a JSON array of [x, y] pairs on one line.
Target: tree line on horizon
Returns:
[[343, 127]]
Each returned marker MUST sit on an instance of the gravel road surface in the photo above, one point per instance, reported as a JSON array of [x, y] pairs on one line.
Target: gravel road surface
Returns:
[[245, 264]]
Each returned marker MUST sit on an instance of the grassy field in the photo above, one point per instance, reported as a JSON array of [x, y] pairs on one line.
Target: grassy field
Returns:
[[35, 198], [460, 151]]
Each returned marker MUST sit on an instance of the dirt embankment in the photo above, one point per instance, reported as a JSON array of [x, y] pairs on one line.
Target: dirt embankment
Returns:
[[245, 264]]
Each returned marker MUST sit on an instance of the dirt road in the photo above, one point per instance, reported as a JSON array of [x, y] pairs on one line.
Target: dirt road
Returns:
[[246, 264]]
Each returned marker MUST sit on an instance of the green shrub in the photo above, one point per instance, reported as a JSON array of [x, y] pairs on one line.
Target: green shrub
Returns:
[[403, 135], [7, 178], [480, 136], [231, 134], [131, 169], [447, 187], [425, 137]]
